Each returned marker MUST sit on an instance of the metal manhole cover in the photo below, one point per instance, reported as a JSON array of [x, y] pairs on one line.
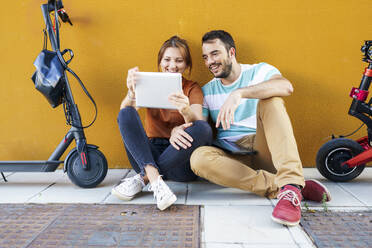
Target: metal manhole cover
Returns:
[[88, 225], [339, 229]]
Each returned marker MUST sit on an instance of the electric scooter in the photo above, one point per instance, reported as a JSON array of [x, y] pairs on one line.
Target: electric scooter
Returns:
[[85, 165], [342, 159]]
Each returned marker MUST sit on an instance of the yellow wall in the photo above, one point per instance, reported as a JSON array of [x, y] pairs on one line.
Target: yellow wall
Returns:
[[315, 44]]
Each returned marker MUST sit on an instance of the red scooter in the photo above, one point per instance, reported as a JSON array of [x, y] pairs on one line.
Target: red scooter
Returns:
[[342, 159]]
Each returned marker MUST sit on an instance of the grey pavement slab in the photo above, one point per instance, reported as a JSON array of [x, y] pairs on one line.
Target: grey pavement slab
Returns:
[[206, 193], [22, 186], [360, 190], [6, 174], [278, 246], [366, 175], [147, 197], [300, 237], [230, 218], [339, 197], [222, 245], [313, 173], [252, 225], [230, 245], [360, 187], [352, 194], [63, 190]]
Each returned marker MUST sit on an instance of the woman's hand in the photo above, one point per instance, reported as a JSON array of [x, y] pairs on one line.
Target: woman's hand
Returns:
[[180, 100], [130, 98], [131, 82], [179, 138]]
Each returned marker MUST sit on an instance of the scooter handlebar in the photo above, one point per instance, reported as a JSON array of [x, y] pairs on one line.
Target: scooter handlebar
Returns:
[[367, 50], [51, 4]]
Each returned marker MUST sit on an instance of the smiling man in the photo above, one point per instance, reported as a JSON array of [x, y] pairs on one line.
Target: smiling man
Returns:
[[244, 101]]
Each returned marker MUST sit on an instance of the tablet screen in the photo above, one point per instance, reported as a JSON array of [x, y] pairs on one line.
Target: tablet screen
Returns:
[[153, 88]]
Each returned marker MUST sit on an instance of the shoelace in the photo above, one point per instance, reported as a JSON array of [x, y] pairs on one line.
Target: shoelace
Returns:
[[291, 196], [159, 188]]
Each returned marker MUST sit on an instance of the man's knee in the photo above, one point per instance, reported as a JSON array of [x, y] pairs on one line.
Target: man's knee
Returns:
[[198, 159], [202, 159], [272, 101], [273, 106]]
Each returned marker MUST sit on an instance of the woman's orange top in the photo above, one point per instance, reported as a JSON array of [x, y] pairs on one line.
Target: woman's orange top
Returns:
[[160, 122]]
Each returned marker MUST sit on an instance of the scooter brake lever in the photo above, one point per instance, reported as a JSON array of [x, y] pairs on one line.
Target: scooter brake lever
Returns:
[[64, 16]]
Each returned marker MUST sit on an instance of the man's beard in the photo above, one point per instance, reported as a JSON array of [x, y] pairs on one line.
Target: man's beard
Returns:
[[226, 70]]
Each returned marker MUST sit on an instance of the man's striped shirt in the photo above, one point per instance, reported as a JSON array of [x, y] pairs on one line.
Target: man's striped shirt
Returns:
[[215, 94]]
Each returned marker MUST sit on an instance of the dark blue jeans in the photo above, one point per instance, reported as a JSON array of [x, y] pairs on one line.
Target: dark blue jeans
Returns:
[[173, 164]]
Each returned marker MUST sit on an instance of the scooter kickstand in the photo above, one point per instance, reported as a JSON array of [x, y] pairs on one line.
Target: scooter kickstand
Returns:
[[4, 177]]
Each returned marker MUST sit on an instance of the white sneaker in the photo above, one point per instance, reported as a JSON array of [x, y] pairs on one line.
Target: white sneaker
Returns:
[[129, 187], [164, 196]]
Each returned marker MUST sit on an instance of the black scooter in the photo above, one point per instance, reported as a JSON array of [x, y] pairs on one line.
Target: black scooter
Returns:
[[86, 166]]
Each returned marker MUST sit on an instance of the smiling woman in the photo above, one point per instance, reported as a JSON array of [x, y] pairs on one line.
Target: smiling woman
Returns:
[[178, 50], [172, 61], [171, 135]]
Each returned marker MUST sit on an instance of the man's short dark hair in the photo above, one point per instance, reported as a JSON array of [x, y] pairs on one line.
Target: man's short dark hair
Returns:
[[222, 35]]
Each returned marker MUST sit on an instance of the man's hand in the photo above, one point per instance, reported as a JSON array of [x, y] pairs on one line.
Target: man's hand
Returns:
[[179, 138], [226, 115], [180, 100]]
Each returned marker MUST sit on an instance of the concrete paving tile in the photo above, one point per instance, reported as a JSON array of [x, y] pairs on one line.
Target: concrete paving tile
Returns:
[[339, 197], [64, 191], [300, 237], [366, 175], [346, 209], [252, 225], [222, 245], [359, 189], [143, 197], [278, 246], [147, 197], [22, 186], [349, 194], [206, 193], [313, 173], [259, 245], [6, 174], [307, 246]]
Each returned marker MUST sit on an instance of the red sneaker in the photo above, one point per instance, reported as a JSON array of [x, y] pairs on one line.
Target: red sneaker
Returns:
[[314, 191], [288, 210]]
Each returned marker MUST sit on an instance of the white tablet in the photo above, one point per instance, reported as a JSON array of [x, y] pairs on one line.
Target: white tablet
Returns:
[[153, 88]]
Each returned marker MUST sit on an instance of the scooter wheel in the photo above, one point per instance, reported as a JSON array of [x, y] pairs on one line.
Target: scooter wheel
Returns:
[[332, 155], [87, 178]]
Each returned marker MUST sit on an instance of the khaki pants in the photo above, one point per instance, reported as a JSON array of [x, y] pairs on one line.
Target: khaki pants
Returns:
[[276, 164]]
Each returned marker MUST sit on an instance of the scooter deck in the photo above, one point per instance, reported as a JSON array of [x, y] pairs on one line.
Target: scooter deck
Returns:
[[29, 166]]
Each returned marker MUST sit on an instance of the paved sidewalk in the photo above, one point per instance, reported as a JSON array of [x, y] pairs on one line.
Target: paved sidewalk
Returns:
[[230, 218]]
